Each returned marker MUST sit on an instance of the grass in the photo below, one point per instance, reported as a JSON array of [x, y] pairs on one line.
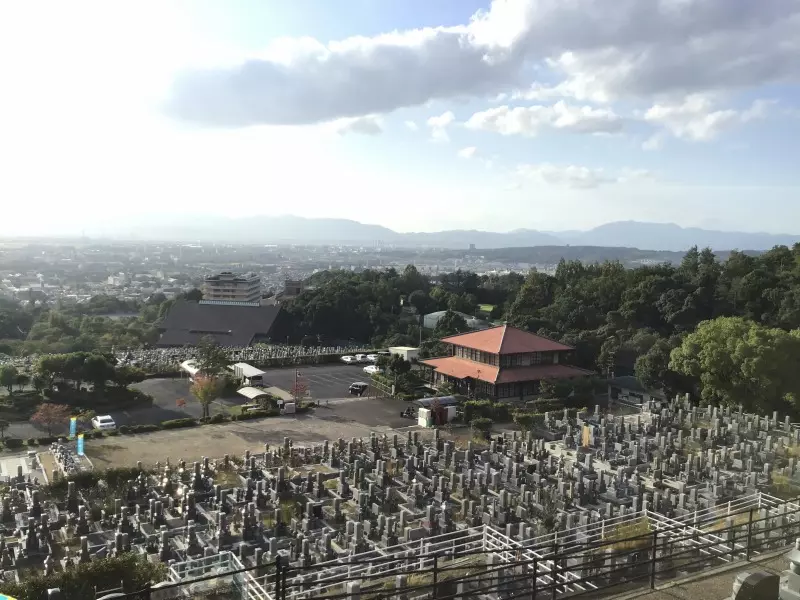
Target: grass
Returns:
[[619, 535], [486, 307], [739, 519], [783, 487]]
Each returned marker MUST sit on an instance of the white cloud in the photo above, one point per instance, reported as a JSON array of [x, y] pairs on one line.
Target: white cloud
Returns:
[[533, 119], [468, 152], [579, 177], [412, 126], [696, 119], [439, 125], [596, 50], [366, 125]]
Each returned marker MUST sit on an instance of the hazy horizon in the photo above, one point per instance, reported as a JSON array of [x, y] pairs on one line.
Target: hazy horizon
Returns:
[[420, 116]]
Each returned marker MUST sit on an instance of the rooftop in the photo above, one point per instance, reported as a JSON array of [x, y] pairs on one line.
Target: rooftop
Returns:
[[229, 325], [461, 369], [505, 339]]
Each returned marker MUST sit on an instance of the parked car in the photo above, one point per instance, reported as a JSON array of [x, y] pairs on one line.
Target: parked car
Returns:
[[103, 422], [358, 388], [372, 369], [362, 358], [349, 360], [372, 357]]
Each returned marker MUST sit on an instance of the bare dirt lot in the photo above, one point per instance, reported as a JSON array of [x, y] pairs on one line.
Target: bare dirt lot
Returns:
[[229, 438]]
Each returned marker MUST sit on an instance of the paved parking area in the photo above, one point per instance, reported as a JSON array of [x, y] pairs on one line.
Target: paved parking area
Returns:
[[166, 393], [324, 381]]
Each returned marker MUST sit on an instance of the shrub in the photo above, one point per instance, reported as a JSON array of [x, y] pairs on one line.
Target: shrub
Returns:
[[146, 428], [31, 441], [545, 405], [11, 443], [481, 424], [113, 432], [255, 414], [179, 423], [132, 571], [217, 418], [46, 441], [124, 429]]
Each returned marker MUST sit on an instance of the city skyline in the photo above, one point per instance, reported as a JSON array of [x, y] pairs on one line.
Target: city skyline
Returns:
[[475, 115]]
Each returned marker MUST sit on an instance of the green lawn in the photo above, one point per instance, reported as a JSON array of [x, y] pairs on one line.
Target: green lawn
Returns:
[[486, 307]]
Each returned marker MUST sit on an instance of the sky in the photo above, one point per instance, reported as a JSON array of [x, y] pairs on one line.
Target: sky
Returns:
[[417, 115]]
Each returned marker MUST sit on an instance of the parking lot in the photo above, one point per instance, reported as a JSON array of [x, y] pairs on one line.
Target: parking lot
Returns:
[[324, 382]]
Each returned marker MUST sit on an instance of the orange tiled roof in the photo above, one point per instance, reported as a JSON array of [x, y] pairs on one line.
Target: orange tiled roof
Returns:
[[461, 369], [505, 339]]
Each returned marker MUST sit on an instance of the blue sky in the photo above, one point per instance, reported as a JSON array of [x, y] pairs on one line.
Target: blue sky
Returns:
[[416, 115]]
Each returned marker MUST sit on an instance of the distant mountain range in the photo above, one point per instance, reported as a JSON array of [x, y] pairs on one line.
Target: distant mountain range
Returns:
[[300, 230]]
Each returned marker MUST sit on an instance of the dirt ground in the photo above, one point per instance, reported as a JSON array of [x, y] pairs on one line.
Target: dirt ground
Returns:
[[215, 441]]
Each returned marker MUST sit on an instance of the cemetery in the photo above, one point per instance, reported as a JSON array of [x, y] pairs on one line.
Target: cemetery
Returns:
[[583, 504]]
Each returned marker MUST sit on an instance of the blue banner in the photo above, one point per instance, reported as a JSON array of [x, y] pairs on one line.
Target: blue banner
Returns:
[[73, 427], [80, 444]]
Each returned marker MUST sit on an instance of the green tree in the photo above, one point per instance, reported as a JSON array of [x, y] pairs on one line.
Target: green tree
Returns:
[[98, 370], [126, 375], [3, 428], [211, 359], [741, 362], [22, 380], [8, 377], [450, 323]]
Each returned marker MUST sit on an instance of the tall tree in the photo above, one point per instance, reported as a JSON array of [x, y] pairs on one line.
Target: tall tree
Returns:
[[8, 377], [211, 359], [741, 362]]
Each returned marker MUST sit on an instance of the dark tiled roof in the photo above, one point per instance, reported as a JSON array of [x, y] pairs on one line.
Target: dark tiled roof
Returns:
[[188, 322]]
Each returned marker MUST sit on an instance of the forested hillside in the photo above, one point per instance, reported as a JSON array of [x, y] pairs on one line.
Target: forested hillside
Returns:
[[620, 320]]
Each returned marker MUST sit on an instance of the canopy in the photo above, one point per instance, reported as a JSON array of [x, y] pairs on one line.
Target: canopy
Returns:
[[443, 401], [252, 393]]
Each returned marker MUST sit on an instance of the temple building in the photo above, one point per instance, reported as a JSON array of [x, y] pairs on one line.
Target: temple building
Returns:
[[502, 363]]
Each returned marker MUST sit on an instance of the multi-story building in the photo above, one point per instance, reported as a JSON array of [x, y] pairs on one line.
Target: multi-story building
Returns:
[[230, 287], [502, 363]]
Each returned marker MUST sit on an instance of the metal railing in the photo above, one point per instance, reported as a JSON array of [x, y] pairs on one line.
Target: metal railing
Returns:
[[475, 566]]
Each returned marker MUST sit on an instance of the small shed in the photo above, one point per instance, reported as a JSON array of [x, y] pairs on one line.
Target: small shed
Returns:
[[247, 374], [252, 393]]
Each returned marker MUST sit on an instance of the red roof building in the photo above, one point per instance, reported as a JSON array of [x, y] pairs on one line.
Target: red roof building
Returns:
[[502, 363]]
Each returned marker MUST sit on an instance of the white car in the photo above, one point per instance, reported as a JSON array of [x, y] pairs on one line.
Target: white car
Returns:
[[349, 360], [362, 358], [372, 369], [372, 357], [104, 422]]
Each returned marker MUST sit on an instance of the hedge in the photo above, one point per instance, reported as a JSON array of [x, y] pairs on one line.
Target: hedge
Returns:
[[134, 572], [11, 442], [179, 423]]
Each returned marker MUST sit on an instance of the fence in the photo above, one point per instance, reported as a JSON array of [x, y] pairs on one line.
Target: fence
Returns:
[[587, 561]]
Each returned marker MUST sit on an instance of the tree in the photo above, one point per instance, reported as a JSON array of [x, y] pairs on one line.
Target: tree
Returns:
[[205, 389], [8, 377], [126, 375], [22, 380], [399, 365], [50, 415], [193, 295], [299, 391], [98, 370], [450, 323], [3, 427], [741, 362], [211, 359]]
